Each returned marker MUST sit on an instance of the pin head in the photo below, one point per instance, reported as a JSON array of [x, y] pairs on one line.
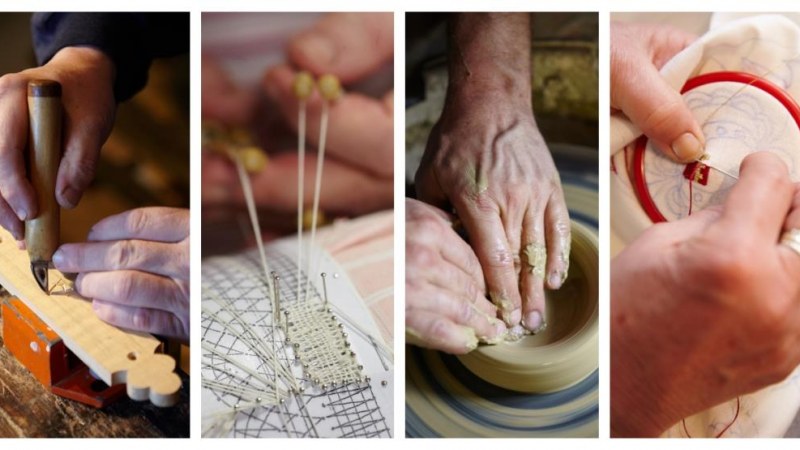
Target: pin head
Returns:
[[303, 85], [329, 87]]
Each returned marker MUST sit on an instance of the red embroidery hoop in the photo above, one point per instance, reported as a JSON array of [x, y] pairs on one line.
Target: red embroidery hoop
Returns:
[[639, 178]]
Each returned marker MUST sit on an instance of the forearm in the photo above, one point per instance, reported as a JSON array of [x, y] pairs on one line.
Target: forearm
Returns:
[[489, 54], [130, 40]]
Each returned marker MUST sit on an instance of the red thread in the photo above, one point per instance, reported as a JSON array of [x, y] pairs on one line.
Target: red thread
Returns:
[[727, 427], [639, 181]]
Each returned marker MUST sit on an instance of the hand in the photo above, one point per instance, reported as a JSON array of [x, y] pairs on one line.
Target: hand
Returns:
[[446, 308], [487, 159], [637, 54], [222, 101], [86, 76], [135, 268], [706, 308], [358, 174]]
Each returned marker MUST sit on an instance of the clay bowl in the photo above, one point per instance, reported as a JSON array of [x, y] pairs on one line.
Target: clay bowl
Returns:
[[566, 352]]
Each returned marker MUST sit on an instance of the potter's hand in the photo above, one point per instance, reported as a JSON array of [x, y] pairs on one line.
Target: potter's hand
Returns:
[[135, 268], [706, 308], [86, 76], [637, 89], [487, 159], [445, 305]]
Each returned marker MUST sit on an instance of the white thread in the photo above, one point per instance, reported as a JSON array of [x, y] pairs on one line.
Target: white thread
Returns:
[[323, 135], [301, 167], [251, 210], [320, 343]]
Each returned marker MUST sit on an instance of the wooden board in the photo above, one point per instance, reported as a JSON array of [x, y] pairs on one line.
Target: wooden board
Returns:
[[29, 409], [114, 355]]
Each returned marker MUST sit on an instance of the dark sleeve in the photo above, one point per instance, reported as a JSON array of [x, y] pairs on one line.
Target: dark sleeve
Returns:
[[131, 40]]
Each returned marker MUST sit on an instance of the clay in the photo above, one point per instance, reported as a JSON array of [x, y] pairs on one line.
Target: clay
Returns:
[[536, 255], [564, 353]]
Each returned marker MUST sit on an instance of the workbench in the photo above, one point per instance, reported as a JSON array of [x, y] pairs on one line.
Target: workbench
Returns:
[[29, 409]]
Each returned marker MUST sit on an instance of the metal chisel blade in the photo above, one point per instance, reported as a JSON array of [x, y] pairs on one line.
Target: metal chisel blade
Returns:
[[40, 273]]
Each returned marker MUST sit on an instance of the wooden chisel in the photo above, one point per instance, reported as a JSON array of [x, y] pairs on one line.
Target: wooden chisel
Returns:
[[42, 233]]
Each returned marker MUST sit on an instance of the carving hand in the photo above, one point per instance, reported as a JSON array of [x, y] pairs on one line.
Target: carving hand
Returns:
[[86, 76]]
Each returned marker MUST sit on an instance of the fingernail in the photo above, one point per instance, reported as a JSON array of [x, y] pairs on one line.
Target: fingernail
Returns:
[[470, 339], [555, 280], [318, 48], [533, 321], [22, 213], [687, 148], [58, 258], [69, 197], [499, 328], [77, 286], [516, 316]]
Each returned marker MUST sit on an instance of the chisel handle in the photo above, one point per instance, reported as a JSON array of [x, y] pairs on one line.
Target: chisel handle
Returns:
[[42, 233]]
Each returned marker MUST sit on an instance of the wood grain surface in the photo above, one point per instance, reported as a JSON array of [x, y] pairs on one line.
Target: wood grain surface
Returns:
[[114, 355]]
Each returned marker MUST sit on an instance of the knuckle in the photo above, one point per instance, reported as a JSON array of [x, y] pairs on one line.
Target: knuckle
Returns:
[[81, 171], [440, 330], [500, 258], [124, 287], [661, 120], [137, 221], [421, 256], [141, 319], [485, 204], [122, 255], [8, 83], [464, 312]]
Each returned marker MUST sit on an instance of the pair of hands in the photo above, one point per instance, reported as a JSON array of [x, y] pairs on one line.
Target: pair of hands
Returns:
[[358, 175], [706, 308], [487, 160], [136, 265]]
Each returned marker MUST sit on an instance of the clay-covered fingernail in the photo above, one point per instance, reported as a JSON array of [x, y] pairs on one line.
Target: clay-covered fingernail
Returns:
[[555, 279], [499, 327], [687, 148], [470, 339], [516, 316], [533, 320]]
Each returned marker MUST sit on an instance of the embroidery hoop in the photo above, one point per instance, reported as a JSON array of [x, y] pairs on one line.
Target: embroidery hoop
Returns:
[[640, 186]]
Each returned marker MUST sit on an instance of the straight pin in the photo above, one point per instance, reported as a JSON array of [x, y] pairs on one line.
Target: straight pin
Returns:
[[303, 88], [331, 90], [324, 287]]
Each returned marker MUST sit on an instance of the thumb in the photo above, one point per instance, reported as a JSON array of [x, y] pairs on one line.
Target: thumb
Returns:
[[638, 89], [348, 45]]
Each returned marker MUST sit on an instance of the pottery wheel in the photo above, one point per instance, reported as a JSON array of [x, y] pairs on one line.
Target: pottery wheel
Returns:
[[445, 399]]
